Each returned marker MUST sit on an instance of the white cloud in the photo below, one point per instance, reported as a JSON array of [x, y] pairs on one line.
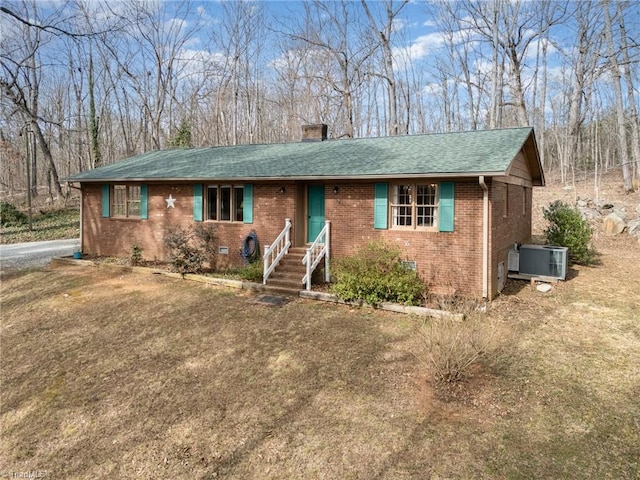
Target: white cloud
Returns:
[[432, 89], [193, 63], [420, 48]]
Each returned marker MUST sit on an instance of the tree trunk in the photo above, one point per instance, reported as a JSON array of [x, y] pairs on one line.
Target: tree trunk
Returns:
[[384, 40], [617, 88], [626, 71], [44, 146], [93, 121]]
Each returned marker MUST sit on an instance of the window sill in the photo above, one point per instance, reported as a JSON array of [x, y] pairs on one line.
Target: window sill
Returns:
[[236, 222], [414, 229]]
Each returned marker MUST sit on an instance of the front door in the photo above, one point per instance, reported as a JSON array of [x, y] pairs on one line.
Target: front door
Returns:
[[315, 211]]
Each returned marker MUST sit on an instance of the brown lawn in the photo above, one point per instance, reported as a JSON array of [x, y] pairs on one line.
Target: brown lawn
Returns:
[[107, 374]]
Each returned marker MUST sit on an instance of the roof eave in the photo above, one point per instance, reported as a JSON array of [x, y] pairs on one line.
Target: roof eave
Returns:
[[530, 148], [292, 178]]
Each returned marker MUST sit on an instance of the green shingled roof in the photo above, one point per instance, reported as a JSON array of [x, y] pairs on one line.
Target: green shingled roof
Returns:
[[488, 152]]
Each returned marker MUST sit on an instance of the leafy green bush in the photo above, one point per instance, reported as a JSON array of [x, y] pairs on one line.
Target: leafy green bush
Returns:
[[376, 274], [10, 215], [567, 228], [190, 249], [252, 272]]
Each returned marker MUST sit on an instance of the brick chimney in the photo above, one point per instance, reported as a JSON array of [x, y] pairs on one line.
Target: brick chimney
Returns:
[[314, 133]]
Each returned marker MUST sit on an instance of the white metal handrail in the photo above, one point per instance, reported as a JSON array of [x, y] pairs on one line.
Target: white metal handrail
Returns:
[[279, 248], [318, 249]]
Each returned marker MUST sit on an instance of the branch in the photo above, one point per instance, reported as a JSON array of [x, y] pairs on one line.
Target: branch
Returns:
[[49, 28]]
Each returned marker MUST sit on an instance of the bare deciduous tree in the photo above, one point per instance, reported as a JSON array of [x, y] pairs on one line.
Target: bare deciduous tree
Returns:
[[383, 31]]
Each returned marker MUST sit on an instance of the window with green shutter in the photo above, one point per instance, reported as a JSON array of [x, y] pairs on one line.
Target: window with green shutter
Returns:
[[422, 206], [124, 201], [197, 202], [447, 197], [224, 203], [247, 208], [144, 202], [106, 200], [380, 206]]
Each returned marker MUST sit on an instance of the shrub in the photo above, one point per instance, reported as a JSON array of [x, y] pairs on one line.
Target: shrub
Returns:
[[205, 235], [451, 347], [568, 229], [136, 255], [252, 272], [10, 215], [376, 274], [190, 249]]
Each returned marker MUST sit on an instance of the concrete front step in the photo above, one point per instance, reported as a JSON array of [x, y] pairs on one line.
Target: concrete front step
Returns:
[[292, 292], [293, 276], [284, 283], [291, 270]]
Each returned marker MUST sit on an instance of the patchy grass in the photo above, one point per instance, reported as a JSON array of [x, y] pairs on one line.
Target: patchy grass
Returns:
[[112, 375], [53, 225], [107, 374]]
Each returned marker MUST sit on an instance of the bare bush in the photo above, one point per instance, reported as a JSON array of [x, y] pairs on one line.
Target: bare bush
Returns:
[[191, 248], [450, 346]]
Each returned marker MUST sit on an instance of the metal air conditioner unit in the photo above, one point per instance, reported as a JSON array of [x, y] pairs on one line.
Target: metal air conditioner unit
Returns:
[[543, 260]]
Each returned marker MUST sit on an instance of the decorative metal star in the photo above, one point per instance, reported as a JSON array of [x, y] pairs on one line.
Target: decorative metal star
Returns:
[[171, 202]]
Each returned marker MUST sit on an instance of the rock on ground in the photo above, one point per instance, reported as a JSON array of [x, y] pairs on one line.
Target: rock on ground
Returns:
[[613, 224], [633, 227]]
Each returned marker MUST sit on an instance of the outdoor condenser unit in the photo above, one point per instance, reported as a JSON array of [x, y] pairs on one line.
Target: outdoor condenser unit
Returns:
[[543, 260]]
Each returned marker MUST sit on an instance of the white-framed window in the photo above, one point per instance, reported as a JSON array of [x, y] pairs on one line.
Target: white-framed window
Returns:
[[225, 203], [125, 201], [414, 205]]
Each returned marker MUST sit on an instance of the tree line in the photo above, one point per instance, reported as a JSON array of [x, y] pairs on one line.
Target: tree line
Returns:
[[86, 83]]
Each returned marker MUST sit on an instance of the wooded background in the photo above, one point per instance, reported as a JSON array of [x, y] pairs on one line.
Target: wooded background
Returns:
[[89, 82]]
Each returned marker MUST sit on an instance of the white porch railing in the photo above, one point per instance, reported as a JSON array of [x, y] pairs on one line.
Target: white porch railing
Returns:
[[318, 249], [279, 248]]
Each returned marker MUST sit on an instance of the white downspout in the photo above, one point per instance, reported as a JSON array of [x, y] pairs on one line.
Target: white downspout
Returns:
[[485, 237]]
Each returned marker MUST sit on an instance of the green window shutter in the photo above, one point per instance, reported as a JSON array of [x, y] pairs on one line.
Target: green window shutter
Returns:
[[380, 206], [247, 207], [106, 202], [445, 222], [144, 202], [197, 202]]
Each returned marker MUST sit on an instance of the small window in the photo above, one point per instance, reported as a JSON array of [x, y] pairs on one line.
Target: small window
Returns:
[[415, 205], [212, 203], [238, 197], [125, 201], [225, 203]]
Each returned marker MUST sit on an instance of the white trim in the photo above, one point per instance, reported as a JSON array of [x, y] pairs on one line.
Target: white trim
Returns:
[[485, 237], [296, 178]]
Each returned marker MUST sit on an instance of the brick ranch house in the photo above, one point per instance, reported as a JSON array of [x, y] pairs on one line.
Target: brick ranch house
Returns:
[[453, 203]]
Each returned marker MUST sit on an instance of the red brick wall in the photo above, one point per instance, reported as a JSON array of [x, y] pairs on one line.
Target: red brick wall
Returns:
[[115, 237], [510, 223], [449, 261]]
